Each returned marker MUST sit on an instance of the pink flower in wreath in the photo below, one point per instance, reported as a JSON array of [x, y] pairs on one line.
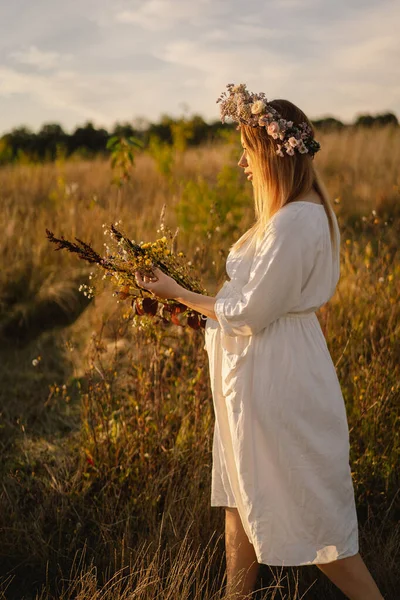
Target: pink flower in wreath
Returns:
[[293, 141], [273, 129]]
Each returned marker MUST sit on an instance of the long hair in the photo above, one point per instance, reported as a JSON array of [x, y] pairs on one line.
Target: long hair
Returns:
[[279, 180]]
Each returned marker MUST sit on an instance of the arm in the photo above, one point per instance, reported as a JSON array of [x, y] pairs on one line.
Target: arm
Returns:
[[274, 285], [163, 286], [203, 304]]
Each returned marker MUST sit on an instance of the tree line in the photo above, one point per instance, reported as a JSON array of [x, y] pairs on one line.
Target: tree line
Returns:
[[51, 141]]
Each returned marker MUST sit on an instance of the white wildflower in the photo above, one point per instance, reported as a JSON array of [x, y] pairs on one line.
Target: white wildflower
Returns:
[[257, 107]]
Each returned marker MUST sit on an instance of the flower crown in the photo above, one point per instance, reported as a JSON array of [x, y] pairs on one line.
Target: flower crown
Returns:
[[253, 109]]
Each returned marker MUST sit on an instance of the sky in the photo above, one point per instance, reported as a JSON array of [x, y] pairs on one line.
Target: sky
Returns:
[[104, 61]]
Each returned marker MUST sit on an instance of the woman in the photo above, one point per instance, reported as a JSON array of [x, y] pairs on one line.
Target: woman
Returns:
[[281, 440]]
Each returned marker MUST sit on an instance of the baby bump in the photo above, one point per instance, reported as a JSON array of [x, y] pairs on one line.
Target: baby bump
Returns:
[[236, 369]]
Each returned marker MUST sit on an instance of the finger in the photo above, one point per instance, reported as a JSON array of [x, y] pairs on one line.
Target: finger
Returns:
[[139, 279], [157, 271]]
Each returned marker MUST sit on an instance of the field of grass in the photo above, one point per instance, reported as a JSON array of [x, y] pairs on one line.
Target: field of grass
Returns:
[[107, 421]]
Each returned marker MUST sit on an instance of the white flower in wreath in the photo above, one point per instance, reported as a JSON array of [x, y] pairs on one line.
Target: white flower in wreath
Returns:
[[279, 150], [302, 148], [257, 107]]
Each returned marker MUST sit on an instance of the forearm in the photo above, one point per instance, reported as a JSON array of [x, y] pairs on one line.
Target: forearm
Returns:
[[199, 302]]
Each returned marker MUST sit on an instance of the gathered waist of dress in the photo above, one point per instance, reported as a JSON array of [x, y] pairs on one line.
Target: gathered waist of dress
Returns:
[[303, 314]]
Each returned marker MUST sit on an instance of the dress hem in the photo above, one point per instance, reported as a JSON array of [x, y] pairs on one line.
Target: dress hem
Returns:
[[223, 504], [308, 564]]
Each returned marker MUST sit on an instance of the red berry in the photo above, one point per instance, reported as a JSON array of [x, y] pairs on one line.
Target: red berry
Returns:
[[150, 306], [193, 322]]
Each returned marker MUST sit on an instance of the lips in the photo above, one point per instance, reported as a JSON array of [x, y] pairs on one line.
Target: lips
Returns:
[[249, 175]]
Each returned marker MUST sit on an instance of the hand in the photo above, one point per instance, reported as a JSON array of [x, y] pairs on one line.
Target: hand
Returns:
[[161, 285]]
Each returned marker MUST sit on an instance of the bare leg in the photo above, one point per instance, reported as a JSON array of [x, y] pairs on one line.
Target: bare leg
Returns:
[[241, 560], [352, 577]]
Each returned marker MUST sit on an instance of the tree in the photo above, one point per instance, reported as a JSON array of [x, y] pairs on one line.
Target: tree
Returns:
[[387, 119], [124, 130], [90, 138], [21, 139], [328, 123], [379, 120], [49, 140]]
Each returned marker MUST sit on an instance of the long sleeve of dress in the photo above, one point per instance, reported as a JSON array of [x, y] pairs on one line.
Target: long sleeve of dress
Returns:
[[274, 286]]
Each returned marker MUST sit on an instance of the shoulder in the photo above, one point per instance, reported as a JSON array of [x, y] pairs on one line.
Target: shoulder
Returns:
[[292, 213], [289, 219], [306, 219], [295, 223]]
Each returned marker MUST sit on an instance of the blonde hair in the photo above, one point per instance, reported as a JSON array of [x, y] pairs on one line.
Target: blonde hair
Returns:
[[278, 181]]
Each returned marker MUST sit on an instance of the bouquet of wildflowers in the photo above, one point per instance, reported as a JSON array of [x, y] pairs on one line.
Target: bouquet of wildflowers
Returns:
[[125, 258]]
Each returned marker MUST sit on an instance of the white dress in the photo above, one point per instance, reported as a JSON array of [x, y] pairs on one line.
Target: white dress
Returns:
[[281, 437]]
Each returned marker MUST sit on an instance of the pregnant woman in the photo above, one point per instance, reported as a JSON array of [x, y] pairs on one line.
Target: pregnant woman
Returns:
[[281, 440]]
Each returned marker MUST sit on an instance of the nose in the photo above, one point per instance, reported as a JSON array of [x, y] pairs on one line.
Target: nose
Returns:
[[243, 162]]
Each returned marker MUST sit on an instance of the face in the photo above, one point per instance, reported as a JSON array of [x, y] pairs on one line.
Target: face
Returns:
[[244, 161]]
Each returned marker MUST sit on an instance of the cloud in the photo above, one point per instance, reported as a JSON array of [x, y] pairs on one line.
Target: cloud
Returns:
[[101, 98], [63, 90], [39, 59], [107, 61], [373, 45], [358, 62], [242, 32], [156, 15], [220, 64], [370, 56]]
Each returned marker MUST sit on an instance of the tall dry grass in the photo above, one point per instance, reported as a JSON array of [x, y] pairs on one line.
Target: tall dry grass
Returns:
[[107, 421]]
